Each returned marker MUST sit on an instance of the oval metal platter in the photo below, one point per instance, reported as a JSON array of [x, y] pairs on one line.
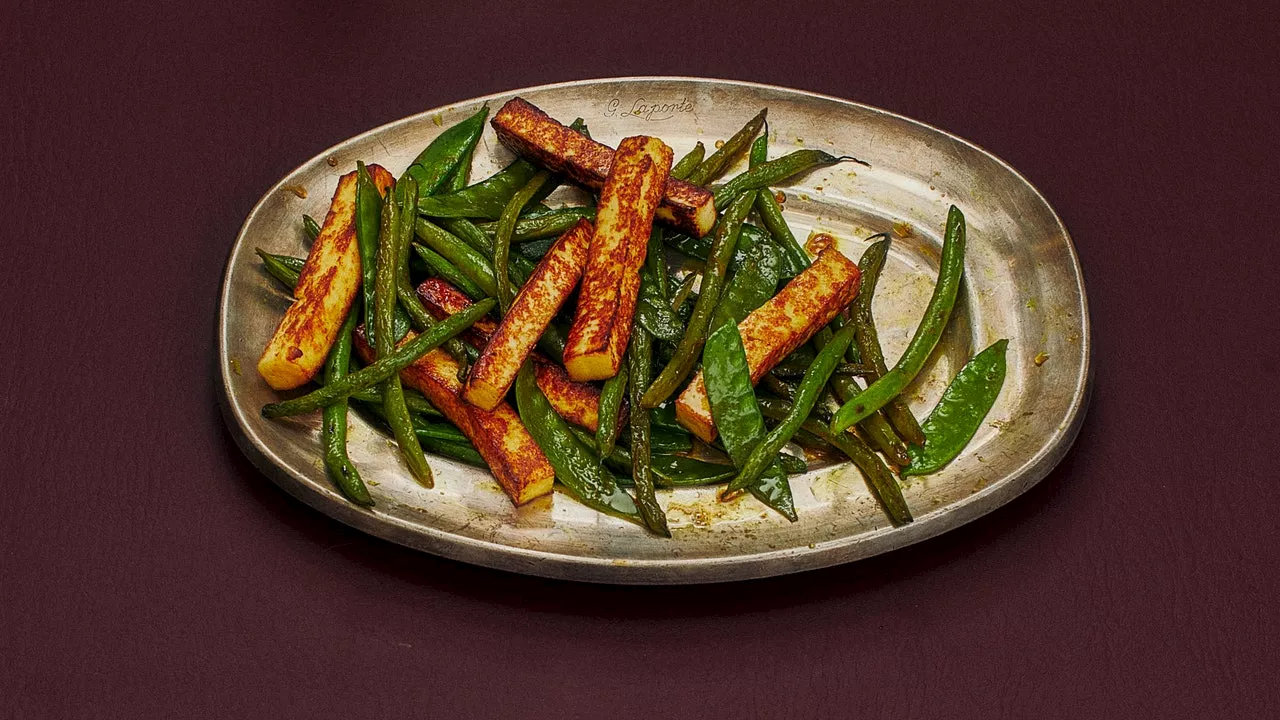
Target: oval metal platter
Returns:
[[1023, 282]]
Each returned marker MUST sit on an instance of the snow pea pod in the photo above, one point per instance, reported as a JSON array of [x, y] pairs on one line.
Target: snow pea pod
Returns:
[[652, 311], [815, 379], [712, 167], [690, 347], [960, 412], [776, 171], [484, 199], [444, 155], [384, 367], [751, 286], [333, 426], [936, 315], [442, 268], [575, 465], [868, 340], [737, 415], [639, 355]]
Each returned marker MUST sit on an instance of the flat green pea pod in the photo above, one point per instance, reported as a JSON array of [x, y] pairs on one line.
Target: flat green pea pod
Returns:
[[435, 164], [670, 440], [960, 412], [576, 467], [748, 238], [737, 415], [776, 171], [440, 267], [755, 281], [712, 167], [653, 313], [609, 411], [936, 315], [484, 199], [815, 380]]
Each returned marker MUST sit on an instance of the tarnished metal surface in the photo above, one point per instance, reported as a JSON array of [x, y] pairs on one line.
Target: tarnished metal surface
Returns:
[[1023, 282]]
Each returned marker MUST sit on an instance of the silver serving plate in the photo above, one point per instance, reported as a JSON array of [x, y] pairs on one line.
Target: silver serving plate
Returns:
[[1023, 282]]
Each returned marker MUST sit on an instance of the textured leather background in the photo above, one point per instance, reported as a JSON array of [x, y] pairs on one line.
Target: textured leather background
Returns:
[[147, 570]]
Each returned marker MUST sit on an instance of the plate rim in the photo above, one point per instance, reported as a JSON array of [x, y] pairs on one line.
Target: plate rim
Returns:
[[673, 570]]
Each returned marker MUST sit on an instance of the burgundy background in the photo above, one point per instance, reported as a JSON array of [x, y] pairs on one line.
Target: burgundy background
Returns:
[[146, 569]]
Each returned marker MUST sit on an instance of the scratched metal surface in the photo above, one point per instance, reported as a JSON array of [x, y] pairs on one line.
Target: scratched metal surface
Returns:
[[1023, 282]]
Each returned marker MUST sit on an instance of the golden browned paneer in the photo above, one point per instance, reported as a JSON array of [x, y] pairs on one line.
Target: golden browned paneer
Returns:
[[611, 282], [579, 403], [532, 133], [781, 325], [327, 286], [547, 288], [516, 461]]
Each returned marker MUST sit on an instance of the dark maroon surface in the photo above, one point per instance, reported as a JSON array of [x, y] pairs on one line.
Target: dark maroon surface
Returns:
[[147, 570]]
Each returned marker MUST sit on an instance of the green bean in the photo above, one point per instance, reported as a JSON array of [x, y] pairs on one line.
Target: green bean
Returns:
[[368, 220], [574, 463], [333, 427], [686, 164], [610, 407], [690, 347], [466, 258], [310, 227], [502, 239], [791, 464], [638, 367], [542, 224], [737, 415], [278, 267], [959, 414], [413, 400], [668, 470], [936, 315], [384, 367], [759, 154], [712, 167], [770, 213], [877, 429], [439, 438], [656, 261], [752, 285], [439, 266], [806, 395], [397, 221], [868, 340], [444, 155], [775, 171], [878, 476]]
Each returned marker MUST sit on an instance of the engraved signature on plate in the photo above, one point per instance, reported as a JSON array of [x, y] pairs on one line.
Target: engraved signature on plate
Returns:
[[647, 110]]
